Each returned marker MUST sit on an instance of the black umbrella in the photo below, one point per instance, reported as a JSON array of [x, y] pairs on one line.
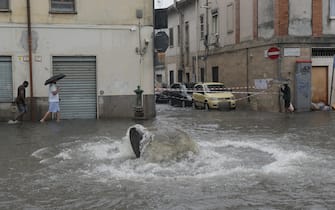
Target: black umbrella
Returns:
[[54, 78]]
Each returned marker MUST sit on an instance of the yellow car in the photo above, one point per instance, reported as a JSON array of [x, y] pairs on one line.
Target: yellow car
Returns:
[[212, 95]]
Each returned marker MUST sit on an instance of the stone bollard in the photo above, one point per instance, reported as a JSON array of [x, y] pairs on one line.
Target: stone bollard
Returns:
[[139, 112]]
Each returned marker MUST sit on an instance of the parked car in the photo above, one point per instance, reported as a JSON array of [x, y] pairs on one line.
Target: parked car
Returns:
[[180, 94], [162, 95], [213, 95]]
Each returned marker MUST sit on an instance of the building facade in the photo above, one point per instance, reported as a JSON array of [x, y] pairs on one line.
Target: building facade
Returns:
[[105, 49], [255, 46]]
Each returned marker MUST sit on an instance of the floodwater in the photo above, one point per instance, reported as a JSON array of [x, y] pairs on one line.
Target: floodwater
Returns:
[[246, 160]]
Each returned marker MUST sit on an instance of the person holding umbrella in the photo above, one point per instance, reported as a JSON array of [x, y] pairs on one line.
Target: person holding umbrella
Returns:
[[53, 101]]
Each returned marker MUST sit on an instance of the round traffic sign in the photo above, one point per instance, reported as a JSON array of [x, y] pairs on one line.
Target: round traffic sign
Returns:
[[161, 41], [273, 53]]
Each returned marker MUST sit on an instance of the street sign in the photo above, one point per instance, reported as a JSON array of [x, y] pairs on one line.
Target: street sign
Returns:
[[161, 41], [273, 53]]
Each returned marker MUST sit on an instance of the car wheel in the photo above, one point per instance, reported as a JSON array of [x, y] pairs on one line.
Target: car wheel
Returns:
[[193, 105], [206, 106]]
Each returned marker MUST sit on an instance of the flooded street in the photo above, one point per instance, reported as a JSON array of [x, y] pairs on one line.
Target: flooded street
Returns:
[[246, 160]]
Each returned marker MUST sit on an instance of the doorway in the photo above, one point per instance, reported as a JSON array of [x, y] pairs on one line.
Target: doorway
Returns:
[[320, 84]]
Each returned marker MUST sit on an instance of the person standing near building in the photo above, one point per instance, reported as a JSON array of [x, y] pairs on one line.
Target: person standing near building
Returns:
[[287, 97], [53, 102], [21, 102]]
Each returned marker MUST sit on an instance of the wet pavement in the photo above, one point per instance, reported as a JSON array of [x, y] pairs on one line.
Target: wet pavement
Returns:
[[246, 160]]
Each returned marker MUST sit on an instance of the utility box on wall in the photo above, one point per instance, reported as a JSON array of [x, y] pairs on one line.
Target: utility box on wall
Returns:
[[303, 93]]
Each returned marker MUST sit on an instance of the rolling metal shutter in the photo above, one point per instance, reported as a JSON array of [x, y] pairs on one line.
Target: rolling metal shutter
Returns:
[[6, 81], [78, 88]]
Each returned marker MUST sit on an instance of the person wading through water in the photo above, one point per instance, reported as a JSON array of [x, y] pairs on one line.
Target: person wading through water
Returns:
[[21, 102], [287, 98]]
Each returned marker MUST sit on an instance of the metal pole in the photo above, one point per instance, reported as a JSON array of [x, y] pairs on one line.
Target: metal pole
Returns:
[[30, 60], [248, 75]]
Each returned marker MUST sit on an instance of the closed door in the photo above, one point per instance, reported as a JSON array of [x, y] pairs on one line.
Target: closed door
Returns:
[[78, 88], [215, 74], [320, 84], [171, 77]]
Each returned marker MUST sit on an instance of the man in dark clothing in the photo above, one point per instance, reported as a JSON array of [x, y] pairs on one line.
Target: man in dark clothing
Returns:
[[286, 96], [21, 101]]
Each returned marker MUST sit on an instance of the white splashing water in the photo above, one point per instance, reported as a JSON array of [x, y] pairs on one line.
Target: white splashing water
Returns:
[[108, 158]]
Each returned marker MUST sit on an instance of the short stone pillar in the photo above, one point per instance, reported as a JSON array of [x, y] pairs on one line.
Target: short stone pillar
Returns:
[[139, 112]]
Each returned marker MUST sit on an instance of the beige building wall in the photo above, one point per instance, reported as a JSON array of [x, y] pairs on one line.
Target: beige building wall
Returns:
[[102, 12], [108, 30]]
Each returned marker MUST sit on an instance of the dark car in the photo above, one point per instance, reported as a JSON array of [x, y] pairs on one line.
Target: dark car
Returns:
[[180, 94], [162, 95]]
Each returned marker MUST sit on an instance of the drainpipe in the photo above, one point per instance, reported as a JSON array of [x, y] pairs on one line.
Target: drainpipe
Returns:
[[248, 55], [206, 40], [30, 60], [196, 74], [181, 61]]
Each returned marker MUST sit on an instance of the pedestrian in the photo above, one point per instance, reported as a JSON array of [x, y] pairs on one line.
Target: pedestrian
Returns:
[[287, 98], [21, 102], [53, 102]]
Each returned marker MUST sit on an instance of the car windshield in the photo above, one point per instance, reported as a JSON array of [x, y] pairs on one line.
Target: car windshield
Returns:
[[215, 88]]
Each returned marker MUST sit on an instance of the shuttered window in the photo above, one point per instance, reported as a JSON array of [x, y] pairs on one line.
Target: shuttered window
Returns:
[[202, 27], [215, 22], [6, 82], [230, 18], [171, 41], [78, 88], [332, 9], [63, 6], [4, 5]]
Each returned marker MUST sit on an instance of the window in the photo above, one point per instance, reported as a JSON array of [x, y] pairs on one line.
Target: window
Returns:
[[180, 75], [63, 6], [202, 74], [202, 27], [187, 33], [332, 9], [175, 86], [159, 78], [230, 18], [179, 35], [171, 77], [323, 52], [199, 89], [215, 24], [215, 74], [171, 37], [4, 5], [6, 84], [187, 42]]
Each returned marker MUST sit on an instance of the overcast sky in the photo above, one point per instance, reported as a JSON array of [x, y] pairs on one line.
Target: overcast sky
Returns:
[[162, 3]]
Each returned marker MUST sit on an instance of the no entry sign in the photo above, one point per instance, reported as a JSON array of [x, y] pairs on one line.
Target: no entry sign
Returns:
[[273, 53]]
